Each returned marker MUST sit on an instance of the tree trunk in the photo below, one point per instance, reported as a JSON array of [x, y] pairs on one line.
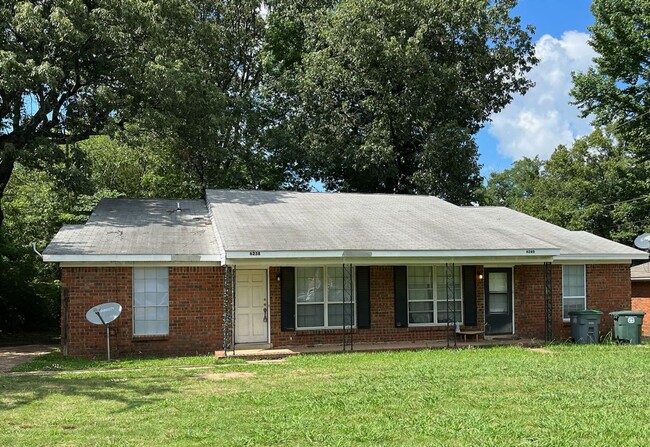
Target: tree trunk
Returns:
[[6, 168]]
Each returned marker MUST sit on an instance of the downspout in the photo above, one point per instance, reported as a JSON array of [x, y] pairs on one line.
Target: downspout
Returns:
[[548, 301]]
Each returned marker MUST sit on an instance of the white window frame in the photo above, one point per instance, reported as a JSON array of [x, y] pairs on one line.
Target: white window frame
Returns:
[[325, 302], [134, 307], [434, 295], [584, 282]]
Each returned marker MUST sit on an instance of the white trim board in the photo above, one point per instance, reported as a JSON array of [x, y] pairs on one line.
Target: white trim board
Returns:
[[140, 264], [415, 257], [131, 258], [601, 258], [356, 254], [282, 258]]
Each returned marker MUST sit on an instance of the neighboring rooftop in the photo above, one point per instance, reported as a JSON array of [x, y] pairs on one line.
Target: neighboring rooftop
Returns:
[[640, 272], [145, 227]]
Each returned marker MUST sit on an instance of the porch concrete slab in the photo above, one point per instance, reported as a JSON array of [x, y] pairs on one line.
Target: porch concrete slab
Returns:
[[257, 353], [273, 353]]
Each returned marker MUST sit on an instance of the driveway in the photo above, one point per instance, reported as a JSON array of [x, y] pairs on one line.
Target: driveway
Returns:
[[15, 355]]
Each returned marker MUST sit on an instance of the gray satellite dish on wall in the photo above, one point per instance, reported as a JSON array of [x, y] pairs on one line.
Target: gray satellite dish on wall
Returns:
[[642, 241], [105, 314]]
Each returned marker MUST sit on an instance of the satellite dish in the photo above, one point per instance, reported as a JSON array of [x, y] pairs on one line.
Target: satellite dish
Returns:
[[104, 313], [642, 241]]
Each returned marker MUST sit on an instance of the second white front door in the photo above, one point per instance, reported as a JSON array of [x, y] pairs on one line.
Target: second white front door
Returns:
[[251, 307]]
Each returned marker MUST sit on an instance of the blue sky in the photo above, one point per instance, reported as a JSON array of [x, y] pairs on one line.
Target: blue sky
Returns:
[[536, 123]]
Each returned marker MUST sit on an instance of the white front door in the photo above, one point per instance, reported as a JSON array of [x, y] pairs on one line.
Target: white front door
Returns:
[[250, 307]]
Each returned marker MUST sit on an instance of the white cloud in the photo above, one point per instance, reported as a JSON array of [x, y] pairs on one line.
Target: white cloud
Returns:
[[534, 124]]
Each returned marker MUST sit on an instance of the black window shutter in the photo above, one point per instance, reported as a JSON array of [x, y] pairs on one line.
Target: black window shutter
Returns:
[[363, 297], [469, 295], [401, 304], [288, 298]]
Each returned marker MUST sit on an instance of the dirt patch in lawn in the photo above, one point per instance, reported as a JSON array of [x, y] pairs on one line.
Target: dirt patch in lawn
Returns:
[[13, 356], [225, 376], [266, 361], [542, 351]]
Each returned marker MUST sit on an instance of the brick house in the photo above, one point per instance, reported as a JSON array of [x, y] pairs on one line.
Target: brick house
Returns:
[[309, 268], [640, 275]]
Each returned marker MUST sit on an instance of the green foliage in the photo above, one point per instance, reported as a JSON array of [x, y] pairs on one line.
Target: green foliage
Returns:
[[514, 187], [600, 184], [616, 91], [28, 296], [149, 98], [68, 68], [593, 186], [137, 166], [38, 201], [209, 118], [183, 71], [385, 96]]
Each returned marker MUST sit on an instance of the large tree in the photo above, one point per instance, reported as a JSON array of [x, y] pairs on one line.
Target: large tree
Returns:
[[385, 96], [592, 185], [210, 69], [68, 67], [615, 91], [515, 187]]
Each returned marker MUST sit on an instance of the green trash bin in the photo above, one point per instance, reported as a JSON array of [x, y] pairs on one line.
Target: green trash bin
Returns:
[[584, 325], [627, 326]]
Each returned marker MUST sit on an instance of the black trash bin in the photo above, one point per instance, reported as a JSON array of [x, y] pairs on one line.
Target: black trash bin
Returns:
[[585, 326], [627, 326]]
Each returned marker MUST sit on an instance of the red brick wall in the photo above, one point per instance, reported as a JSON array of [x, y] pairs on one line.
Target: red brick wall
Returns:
[[608, 289], [529, 301], [196, 308], [641, 289], [641, 302], [195, 311], [382, 317]]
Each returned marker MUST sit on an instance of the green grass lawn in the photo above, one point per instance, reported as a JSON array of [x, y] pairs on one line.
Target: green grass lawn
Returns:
[[559, 396]]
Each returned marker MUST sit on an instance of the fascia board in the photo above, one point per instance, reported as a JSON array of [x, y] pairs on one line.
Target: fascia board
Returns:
[[131, 258], [351, 254]]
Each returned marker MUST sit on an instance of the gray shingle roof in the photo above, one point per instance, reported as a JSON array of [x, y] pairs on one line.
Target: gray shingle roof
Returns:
[[569, 242], [640, 272], [259, 220], [282, 221], [263, 220], [139, 227]]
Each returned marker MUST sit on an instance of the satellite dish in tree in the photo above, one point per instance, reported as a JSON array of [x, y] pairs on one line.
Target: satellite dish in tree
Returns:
[[642, 241], [104, 314]]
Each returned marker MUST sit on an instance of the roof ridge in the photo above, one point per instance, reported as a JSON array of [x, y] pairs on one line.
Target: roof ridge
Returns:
[[330, 193]]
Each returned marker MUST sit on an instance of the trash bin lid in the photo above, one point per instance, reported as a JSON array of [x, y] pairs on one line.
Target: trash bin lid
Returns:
[[585, 312], [627, 313]]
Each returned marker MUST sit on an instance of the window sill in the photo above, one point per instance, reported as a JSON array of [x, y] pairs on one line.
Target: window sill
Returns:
[[427, 325], [323, 331], [145, 338]]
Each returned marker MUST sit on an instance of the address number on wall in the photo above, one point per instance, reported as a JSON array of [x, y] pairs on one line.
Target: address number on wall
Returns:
[[255, 253]]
